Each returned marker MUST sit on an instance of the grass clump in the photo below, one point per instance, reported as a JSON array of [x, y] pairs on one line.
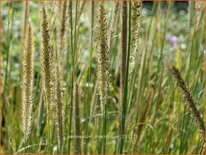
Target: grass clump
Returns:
[[96, 80]]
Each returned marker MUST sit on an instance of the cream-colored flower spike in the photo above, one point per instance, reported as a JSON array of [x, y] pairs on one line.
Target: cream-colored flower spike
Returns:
[[27, 86], [47, 66]]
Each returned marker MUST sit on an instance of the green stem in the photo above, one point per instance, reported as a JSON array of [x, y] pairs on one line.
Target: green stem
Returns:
[[126, 71]]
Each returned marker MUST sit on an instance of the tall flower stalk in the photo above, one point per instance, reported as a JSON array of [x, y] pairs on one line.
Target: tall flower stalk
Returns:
[[48, 73], [47, 64], [27, 86], [103, 66]]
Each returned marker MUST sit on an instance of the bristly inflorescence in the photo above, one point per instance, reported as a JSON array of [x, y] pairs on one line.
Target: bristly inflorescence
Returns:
[[60, 106], [102, 56], [188, 99], [47, 65], [27, 86], [135, 28]]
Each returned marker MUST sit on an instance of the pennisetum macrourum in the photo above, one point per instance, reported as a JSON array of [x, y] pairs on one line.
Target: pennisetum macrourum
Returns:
[[27, 83]]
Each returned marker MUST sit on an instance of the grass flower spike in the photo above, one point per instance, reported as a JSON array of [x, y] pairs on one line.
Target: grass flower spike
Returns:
[[27, 86], [47, 64], [60, 107], [103, 56], [135, 29], [103, 69], [188, 99]]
